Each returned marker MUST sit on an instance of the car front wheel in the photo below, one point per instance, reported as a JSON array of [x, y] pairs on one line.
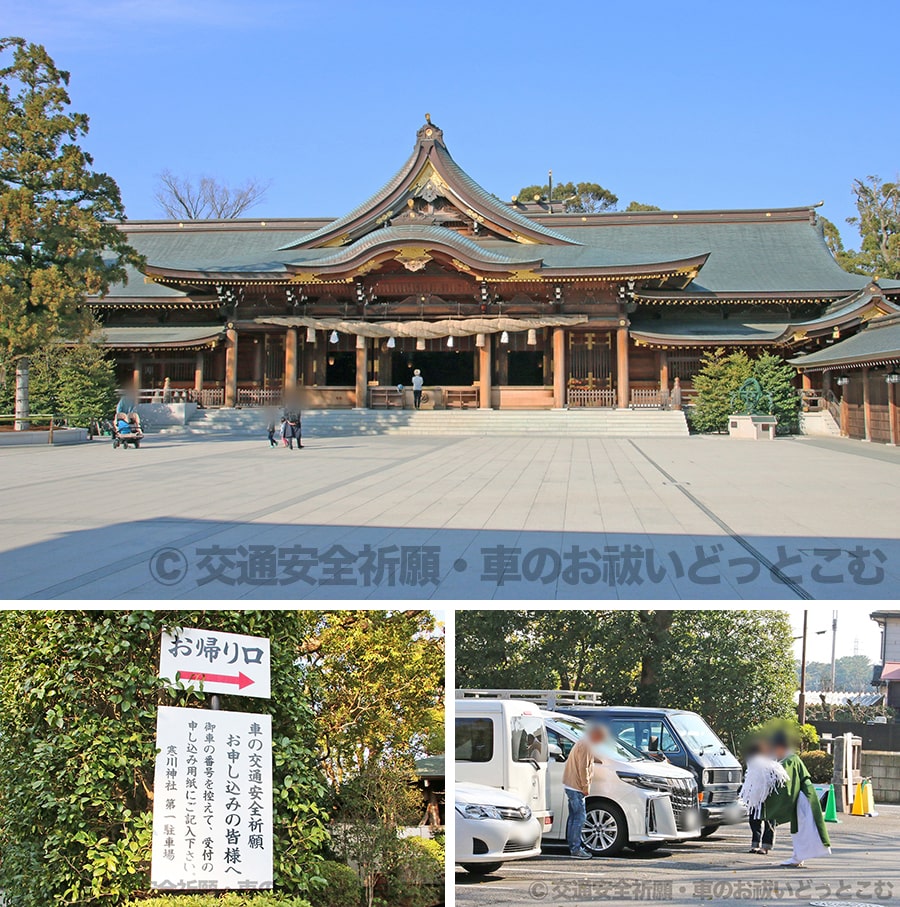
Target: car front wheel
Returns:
[[605, 831], [708, 830], [481, 869]]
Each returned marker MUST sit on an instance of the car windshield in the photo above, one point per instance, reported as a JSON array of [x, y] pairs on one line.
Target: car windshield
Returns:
[[697, 735], [612, 747]]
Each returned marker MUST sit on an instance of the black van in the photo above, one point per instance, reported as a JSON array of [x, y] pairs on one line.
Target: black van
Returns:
[[686, 740]]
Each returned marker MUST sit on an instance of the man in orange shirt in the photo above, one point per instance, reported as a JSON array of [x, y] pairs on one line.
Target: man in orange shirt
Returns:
[[576, 779]]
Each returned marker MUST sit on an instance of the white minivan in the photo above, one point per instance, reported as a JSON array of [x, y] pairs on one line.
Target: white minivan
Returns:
[[634, 802], [503, 744]]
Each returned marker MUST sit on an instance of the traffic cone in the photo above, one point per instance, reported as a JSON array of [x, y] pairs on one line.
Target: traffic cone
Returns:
[[864, 801], [831, 807]]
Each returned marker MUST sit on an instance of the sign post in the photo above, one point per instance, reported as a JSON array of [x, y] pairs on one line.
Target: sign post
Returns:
[[212, 809], [216, 662], [212, 804]]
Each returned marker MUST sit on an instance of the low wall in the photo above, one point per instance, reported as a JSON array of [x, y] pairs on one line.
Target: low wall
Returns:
[[884, 770], [512, 397], [38, 438], [327, 397], [162, 415]]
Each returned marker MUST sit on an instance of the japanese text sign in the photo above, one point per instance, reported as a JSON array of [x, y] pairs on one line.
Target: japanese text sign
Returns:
[[217, 662], [212, 804]]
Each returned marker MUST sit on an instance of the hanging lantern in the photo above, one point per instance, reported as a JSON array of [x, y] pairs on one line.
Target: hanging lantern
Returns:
[[504, 337], [479, 340], [450, 342], [391, 343], [310, 335], [532, 337], [420, 343], [334, 337]]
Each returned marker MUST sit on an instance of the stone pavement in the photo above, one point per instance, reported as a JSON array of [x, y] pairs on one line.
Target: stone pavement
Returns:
[[863, 869], [462, 517]]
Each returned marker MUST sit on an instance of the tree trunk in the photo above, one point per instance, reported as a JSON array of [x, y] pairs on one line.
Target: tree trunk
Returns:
[[22, 423], [657, 625]]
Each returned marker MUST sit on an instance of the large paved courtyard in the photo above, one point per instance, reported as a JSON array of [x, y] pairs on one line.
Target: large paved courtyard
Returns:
[[472, 517]]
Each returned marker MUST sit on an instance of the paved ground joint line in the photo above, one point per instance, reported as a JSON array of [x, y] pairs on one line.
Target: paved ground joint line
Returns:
[[795, 587]]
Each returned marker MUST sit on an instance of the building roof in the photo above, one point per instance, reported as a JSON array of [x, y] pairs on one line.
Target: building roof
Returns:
[[877, 344], [706, 256]]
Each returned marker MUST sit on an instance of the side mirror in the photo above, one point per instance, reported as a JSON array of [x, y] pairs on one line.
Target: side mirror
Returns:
[[555, 753]]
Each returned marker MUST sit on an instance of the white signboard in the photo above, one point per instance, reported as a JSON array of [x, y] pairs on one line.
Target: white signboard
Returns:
[[218, 662], [212, 800]]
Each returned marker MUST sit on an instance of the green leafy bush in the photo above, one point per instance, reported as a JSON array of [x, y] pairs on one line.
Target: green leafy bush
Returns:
[[417, 875], [722, 374], [339, 887], [78, 382], [229, 899], [78, 703], [820, 765], [802, 737]]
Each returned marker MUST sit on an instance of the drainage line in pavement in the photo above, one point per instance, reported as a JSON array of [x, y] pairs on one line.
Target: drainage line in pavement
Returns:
[[795, 587]]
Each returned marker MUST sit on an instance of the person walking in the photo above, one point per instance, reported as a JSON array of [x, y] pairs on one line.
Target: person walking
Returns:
[[577, 777], [763, 776], [271, 428], [292, 429], [417, 383], [797, 802]]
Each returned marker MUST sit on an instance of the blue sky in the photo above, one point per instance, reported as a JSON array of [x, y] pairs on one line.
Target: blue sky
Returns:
[[682, 104]]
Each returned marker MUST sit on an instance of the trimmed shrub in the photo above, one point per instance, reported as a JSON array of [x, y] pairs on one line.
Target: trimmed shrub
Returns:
[[340, 887], [820, 765], [418, 874], [228, 899]]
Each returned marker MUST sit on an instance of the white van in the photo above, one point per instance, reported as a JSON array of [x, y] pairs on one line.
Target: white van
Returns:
[[633, 802], [504, 744]]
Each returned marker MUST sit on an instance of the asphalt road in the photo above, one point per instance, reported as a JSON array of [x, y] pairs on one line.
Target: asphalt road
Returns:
[[864, 869]]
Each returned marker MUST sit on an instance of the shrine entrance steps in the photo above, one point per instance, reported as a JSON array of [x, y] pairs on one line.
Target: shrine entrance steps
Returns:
[[819, 424], [586, 422]]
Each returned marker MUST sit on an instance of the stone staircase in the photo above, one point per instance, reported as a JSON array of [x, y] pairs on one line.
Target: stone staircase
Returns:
[[819, 424], [592, 423]]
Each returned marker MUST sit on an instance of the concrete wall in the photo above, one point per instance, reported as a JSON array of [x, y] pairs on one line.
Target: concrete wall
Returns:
[[884, 770], [162, 415]]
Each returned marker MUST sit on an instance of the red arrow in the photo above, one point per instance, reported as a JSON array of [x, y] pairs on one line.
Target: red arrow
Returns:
[[241, 681]]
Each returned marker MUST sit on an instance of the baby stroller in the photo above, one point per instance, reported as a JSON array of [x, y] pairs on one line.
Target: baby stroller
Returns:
[[126, 432]]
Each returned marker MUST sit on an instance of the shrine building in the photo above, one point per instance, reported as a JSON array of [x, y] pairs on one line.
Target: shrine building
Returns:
[[500, 304]]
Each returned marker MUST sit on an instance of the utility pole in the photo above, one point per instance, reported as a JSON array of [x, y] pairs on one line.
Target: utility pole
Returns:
[[801, 703], [834, 616]]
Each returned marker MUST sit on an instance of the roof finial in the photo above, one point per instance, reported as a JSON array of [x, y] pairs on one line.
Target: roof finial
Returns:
[[428, 118]]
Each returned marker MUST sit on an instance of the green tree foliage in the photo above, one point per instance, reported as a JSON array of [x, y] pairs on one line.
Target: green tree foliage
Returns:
[[575, 198], [376, 685], [734, 667], [878, 221], [640, 206], [78, 382], [721, 375], [78, 702], [852, 673], [58, 240]]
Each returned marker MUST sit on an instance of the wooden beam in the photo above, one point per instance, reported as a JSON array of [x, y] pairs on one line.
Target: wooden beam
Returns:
[[484, 373], [867, 405], [362, 372], [290, 358], [231, 343], [623, 390]]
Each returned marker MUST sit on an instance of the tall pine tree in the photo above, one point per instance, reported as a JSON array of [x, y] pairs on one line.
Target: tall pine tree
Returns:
[[58, 238]]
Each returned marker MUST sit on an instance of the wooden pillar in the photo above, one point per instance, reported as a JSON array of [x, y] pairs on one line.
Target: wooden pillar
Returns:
[[137, 376], [320, 361], [484, 373], [826, 381], [290, 359], [867, 405], [806, 381], [623, 389], [502, 363], [845, 412], [362, 372], [893, 413], [231, 344], [547, 366], [664, 374], [259, 359], [559, 368], [198, 371], [309, 362]]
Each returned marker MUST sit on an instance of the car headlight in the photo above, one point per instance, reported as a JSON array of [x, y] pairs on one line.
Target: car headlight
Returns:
[[479, 811], [705, 777], [646, 781]]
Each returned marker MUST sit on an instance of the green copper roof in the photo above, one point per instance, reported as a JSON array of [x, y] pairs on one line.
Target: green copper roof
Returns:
[[878, 342]]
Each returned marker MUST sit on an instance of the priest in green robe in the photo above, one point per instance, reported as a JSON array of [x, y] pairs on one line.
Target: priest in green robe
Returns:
[[797, 802]]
